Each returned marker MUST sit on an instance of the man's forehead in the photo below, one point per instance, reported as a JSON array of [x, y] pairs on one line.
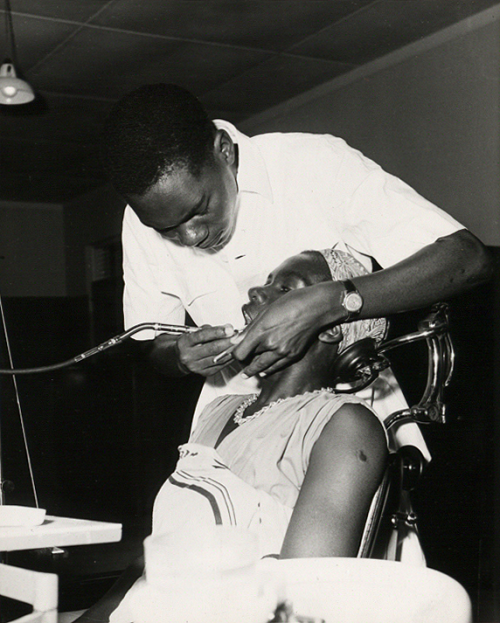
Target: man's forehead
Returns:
[[169, 200], [180, 186]]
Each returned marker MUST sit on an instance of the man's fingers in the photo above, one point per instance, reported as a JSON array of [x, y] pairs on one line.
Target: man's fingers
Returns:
[[209, 334], [207, 351], [279, 365], [225, 357], [206, 367], [262, 363], [227, 354], [247, 343], [194, 354]]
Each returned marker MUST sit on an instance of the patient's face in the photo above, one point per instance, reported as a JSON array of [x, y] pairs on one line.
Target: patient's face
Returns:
[[299, 271]]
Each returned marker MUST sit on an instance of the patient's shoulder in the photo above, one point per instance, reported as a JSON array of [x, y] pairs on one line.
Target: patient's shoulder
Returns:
[[345, 412], [353, 425]]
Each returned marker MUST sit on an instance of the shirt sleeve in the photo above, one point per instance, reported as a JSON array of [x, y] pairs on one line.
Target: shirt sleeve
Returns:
[[378, 214], [144, 300]]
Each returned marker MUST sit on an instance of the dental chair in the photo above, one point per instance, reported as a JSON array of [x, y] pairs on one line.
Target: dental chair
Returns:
[[388, 582], [391, 522]]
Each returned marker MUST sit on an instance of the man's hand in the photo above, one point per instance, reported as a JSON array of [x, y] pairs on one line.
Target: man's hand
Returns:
[[282, 333], [196, 350], [191, 352]]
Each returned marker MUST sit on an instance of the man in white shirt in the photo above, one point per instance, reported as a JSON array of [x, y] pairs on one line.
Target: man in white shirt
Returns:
[[211, 211]]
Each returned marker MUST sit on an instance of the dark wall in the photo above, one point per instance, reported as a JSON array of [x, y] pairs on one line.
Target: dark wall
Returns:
[[458, 494], [102, 434], [98, 430]]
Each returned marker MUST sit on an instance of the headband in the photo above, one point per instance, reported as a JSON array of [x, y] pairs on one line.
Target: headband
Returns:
[[342, 266]]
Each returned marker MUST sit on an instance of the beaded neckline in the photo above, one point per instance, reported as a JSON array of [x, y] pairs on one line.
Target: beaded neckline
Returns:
[[240, 419]]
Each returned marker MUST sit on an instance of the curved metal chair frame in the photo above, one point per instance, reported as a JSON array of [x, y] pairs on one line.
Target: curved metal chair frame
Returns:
[[391, 509]]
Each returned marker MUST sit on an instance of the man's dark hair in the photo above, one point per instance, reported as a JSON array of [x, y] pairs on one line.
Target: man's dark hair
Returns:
[[151, 131]]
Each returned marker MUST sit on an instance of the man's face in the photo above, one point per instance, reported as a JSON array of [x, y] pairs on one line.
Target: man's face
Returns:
[[299, 271], [192, 211]]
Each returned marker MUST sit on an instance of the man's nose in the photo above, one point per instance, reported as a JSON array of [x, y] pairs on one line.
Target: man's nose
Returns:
[[191, 236], [257, 295]]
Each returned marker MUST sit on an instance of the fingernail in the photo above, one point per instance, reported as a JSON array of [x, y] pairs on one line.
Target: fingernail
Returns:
[[262, 375], [228, 330], [244, 376]]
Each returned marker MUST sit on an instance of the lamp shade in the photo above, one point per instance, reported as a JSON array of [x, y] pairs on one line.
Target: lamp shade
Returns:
[[13, 90]]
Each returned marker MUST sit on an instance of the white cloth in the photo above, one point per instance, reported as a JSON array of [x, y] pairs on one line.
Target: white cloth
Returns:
[[296, 192], [204, 491]]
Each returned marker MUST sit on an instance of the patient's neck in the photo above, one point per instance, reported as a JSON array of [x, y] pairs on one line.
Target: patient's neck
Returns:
[[298, 378]]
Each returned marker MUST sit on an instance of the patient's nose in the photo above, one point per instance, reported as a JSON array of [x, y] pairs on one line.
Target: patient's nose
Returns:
[[257, 295]]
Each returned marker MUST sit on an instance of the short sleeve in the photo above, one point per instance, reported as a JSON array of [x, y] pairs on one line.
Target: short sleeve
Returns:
[[376, 213], [143, 298]]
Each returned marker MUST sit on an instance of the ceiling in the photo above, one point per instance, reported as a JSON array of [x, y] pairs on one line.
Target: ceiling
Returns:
[[239, 57]]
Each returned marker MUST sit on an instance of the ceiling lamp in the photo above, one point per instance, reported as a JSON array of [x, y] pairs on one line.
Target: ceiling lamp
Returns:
[[13, 90]]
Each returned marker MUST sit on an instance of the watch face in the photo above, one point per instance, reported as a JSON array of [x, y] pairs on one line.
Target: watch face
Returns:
[[353, 302]]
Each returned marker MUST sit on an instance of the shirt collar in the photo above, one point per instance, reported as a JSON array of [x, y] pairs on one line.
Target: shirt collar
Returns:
[[252, 171]]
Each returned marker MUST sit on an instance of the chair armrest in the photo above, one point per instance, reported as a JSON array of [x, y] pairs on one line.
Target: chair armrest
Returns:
[[407, 465]]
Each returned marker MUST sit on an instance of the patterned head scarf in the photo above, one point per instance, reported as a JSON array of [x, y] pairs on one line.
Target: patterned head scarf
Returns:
[[342, 266]]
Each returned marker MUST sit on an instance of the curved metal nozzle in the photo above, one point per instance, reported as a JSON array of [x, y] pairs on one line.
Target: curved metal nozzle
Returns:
[[158, 327]]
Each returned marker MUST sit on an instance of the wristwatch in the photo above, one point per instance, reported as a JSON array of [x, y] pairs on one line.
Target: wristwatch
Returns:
[[352, 301]]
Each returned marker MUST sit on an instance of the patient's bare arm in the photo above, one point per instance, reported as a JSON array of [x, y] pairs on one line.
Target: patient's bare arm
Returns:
[[346, 466]]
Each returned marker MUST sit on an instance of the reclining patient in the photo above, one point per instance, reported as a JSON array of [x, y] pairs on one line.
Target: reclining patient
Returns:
[[297, 464]]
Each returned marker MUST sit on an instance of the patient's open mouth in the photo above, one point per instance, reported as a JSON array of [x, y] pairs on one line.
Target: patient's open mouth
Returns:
[[246, 314]]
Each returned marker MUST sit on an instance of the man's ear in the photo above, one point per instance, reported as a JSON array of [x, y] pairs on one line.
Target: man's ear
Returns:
[[224, 147], [334, 335]]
